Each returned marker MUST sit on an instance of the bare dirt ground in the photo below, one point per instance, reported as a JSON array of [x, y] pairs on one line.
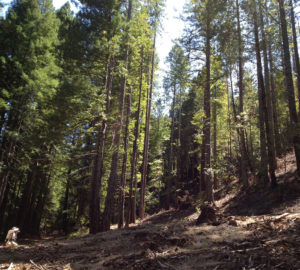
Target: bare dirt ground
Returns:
[[264, 233]]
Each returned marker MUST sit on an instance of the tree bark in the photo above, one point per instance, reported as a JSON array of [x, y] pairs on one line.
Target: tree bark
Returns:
[[65, 223], [124, 165], [289, 84], [214, 111], [178, 163], [25, 201], [146, 140], [113, 177], [171, 153], [229, 121], [7, 154], [244, 176], [268, 106], [296, 52], [97, 172], [132, 190], [263, 115], [278, 144], [207, 121], [39, 209]]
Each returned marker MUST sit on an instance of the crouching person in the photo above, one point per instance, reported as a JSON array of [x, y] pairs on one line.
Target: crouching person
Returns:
[[11, 237]]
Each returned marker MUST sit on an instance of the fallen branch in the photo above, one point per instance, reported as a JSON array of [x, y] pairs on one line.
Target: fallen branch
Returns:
[[11, 266], [281, 216], [39, 267], [165, 265], [279, 264], [246, 250]]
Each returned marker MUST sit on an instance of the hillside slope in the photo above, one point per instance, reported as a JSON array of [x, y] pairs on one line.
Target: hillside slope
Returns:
[[260, 229]]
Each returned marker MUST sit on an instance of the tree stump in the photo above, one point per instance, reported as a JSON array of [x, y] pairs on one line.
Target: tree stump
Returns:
[[208, 215], [184, 202]]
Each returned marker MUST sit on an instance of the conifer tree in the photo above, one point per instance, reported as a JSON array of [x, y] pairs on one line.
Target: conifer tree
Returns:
[[30, 56]]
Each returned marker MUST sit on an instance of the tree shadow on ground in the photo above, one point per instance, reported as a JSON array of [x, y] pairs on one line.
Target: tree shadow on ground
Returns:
[[169, 216], [261, 200]]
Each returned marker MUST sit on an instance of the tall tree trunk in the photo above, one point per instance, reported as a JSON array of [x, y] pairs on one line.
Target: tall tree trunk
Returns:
[[132, 190], [244, 176], [207, 121], [171, 152], [65, 222], [3, 209], [147, 131], [124, 165], [178, 163], [214, 111], [25, 201], [7, 155], [202, 185], [2, 121], [268, 106], [84, 187], [97, 172], [234, 106], [229, 121], [39, 209], [296, 53], [278, 144], [289, 84], [113, 177], [262, 102], [232, 99]]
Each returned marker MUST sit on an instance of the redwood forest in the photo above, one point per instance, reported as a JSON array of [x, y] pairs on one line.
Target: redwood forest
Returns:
[[113, 156]]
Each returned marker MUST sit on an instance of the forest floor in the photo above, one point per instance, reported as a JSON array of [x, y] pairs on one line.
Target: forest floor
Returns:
[[259, 229]]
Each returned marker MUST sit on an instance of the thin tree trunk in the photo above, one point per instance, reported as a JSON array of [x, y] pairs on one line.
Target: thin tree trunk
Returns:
[[202, 185], [296, 53], [85, 179], [132, 197], [207, 121], [268, 106], [3, 209], [97, 173], [234, 106], [147, 131], [170, 158], [66, 205], [178, 163], [263, 115], [232, 99], [2, 122], [289, 84], [250, 140], [113, 177], [214, 111], [229, 121], [278, 143], [124, 166], [7, 155], [244, 176]]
